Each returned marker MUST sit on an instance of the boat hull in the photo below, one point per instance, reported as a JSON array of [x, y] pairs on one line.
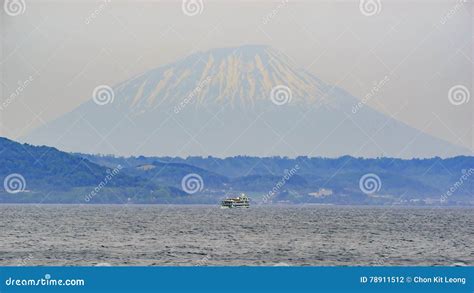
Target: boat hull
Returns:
[[234, 207]]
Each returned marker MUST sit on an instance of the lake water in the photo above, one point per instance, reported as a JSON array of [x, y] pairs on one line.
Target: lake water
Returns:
[[207, 235]]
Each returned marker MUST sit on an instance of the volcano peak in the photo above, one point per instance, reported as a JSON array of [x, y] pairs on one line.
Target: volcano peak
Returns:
[[238, 75]]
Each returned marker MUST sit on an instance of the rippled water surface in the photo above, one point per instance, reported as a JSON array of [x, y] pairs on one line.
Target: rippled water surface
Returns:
[[207, 235]]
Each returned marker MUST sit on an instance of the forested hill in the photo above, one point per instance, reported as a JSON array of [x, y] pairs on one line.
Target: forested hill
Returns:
[[415, 180], [44, 174]]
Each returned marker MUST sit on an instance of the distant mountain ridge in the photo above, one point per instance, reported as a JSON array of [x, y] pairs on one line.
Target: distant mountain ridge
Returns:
[[232, 101], [41, 174], [317, 180]]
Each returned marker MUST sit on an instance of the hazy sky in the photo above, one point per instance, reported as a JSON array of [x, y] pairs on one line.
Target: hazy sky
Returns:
[[64, 49]]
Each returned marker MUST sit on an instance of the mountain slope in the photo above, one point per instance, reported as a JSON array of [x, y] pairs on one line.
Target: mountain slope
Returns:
[[239, 76], [324, 180], [48, 167], [44, 174], [220, 103], [171, 174]]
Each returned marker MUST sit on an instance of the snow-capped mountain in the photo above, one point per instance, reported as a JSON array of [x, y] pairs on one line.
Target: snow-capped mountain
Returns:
[[238, 76], [247, 100]]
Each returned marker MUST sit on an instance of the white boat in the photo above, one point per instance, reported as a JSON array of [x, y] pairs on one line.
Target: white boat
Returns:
[[238, 202]]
